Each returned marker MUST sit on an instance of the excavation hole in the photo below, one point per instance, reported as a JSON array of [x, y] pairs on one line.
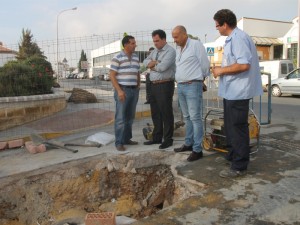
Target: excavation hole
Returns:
[[64, 194]]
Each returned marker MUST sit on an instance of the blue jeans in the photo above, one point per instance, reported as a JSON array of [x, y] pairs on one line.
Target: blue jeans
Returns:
[[124, 115], [190, 101]]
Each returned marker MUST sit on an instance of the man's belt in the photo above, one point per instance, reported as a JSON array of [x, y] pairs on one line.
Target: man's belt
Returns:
[[161, 81], [190, 81], [128, 86]]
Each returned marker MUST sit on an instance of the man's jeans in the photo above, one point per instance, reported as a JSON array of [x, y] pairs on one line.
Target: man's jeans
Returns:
[[190, 101], [124, 115]]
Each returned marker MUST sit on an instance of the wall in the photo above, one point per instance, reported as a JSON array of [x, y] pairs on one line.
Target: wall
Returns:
[[15, 111]]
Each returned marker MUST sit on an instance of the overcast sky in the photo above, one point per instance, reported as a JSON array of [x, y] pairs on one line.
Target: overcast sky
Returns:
[[118, 16]]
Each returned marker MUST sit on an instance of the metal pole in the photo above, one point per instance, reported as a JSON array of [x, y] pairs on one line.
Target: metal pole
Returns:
[[57, 54], [298, 47]]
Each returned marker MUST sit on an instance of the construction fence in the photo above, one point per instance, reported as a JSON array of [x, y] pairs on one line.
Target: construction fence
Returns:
[[93, 107]]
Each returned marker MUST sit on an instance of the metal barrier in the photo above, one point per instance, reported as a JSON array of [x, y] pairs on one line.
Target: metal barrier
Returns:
[[269, 108]]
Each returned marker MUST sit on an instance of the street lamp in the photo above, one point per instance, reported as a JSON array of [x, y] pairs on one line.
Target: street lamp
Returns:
[[298, 48], [57, 38]]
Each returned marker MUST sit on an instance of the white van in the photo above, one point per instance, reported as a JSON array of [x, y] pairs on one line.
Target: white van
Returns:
[[277, 68]]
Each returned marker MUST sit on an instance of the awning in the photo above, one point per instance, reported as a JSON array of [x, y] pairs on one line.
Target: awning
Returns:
[[266, 41]]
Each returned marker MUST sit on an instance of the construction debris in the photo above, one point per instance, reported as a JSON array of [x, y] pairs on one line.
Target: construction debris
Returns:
[[82, 96]]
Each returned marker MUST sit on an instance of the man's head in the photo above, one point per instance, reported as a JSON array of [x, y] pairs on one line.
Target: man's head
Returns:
[[180, 35], [225, 21], [159, 38], [150, 50], [129, 44]]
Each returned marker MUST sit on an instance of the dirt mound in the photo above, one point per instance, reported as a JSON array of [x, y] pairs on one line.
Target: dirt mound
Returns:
[[82, 96]]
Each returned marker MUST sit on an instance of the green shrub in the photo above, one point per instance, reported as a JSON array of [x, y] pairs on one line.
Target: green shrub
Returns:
[[32, 76]]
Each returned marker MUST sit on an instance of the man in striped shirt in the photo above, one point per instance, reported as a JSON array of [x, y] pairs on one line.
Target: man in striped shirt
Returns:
[[125, 78]]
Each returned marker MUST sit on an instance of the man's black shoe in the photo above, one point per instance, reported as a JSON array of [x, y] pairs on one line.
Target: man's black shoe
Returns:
[[152, 142], [147, 102], [166, 144], [183, 148], [195, 156]]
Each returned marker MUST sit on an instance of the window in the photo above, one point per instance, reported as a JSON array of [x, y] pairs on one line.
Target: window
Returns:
[[292, 52], [291, 67], [278, 49], [284, 68]]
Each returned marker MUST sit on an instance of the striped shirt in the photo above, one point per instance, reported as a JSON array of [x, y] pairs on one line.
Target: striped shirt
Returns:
[[127, 68]]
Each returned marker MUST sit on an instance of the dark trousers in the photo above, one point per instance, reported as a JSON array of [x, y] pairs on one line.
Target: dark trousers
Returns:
[[162, 111], [148, 87], [237, 132]]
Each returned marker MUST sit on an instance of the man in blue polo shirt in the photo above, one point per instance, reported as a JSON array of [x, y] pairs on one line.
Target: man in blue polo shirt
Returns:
[[239, 81], [125, 78]]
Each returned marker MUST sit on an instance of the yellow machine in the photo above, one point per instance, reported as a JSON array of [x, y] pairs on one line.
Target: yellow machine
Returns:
[[214, 136]]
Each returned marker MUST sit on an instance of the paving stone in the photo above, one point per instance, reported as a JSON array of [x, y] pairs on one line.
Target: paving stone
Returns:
[[15, 143], [104, 218], [3, 145]]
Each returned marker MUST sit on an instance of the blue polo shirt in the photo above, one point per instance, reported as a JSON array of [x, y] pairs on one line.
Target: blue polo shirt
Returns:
[[239, 48]]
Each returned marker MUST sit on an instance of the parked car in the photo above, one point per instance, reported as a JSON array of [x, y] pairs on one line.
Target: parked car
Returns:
[[287, 85], [277, 68], [80, 75], [143, 76]]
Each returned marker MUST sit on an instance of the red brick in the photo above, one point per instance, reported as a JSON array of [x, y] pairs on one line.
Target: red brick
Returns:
[[32, 148], [3, 145], [104, 218], [16, 143]]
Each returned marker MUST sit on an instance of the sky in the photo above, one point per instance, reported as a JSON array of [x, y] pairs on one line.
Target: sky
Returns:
[[101, 17]]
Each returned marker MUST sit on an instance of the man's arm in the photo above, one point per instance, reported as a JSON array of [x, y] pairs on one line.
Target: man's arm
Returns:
[[148, 60], [230, 70], [138, 80], [116, 85], [167, 61]]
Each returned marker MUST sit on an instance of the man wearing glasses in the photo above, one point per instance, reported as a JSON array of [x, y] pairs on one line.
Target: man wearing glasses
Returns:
[[239, 81]]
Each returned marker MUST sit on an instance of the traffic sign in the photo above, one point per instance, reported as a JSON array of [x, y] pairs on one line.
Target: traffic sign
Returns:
[[210, 51]]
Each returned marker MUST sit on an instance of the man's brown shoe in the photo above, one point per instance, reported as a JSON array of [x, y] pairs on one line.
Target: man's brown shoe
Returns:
[[130, 142], [120, 148], [195, 156], [183, 148]]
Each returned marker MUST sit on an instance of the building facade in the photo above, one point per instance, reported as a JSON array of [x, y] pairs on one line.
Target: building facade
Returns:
[[6, 55], [273, 39]]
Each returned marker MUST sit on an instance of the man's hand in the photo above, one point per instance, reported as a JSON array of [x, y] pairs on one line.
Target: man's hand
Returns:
[[152, 64], [121, 95], [216, 71]]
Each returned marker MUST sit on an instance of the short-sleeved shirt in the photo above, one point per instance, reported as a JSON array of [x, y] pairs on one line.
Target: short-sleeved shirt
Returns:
[[127, 68], [239, 48]]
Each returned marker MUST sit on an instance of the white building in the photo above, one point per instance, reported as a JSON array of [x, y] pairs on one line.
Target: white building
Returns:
[[101, 57], [6, 55], [273, 39]]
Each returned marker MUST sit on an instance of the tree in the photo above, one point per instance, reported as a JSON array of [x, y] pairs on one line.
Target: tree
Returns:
[[82, 58], [27, 47], [193, 37]]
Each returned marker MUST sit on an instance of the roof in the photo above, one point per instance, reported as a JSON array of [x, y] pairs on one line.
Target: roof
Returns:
[[266, 41], [5, 50], [276, 21]]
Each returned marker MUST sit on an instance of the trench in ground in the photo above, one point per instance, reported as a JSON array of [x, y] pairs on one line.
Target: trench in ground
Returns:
[[132, 185]]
